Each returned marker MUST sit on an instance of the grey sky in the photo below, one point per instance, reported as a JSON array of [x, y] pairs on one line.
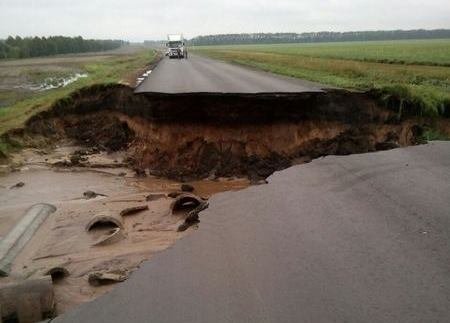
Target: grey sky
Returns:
[[137, 20]]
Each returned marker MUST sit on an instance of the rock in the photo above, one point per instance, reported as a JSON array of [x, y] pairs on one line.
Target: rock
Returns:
[[155, 196], [91, 194], [18, 185], [102, 278], [133, 210], [122, 174], [187, 188]]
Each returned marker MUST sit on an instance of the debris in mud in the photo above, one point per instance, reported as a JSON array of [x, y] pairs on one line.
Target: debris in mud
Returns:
[[18, 185], [133, 210], [174, 194], [112, 236], [62, 163], [103, 278], [187, 188], [104, 220], [391, 142], [155, 196], [260, 182], [192, 217], [30, 300], [57, 273], [91, 194], [140, 172], [77, 159], [185, 202]]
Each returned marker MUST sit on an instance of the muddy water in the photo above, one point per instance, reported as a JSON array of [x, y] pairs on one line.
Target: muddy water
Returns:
[[62, 239], [50, 186], [204, 188]]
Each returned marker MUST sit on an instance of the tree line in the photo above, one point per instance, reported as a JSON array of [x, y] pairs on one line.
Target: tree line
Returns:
[[316, 37], [17, 47]]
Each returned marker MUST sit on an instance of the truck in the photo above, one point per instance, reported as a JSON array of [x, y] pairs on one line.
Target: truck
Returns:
[[176, 46]]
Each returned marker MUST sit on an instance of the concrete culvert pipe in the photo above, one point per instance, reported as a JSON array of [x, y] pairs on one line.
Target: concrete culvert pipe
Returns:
[[17, 238], [57, 273], [104, 220], [185, 203]]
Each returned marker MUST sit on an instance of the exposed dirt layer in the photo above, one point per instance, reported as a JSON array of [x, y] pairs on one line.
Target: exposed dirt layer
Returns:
[[208, 135]]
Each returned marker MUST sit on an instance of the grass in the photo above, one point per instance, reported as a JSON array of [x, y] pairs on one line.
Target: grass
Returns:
[[434, 134], [110, 69], [417, 73]]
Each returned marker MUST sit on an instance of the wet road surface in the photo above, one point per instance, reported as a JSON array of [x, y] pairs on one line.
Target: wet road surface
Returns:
[[203, 75], [360, 238]]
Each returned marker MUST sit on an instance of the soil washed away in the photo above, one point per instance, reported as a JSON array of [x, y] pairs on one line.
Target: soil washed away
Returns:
[[192, 136]]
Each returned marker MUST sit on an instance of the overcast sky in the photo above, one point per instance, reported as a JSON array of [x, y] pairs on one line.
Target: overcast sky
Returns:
[[137, 20]]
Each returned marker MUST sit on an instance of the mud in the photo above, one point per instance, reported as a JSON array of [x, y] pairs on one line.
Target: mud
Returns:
[[194, 136], [62, 248]]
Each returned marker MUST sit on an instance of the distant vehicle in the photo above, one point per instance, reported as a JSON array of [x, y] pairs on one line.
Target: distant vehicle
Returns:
[[176, 46]]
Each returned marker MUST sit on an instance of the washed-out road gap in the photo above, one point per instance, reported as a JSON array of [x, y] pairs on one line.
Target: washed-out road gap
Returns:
[[203, 75], [359, 238]]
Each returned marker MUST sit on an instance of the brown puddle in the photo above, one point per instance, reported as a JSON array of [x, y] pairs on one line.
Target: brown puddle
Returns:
[[62, 243], [204, 188]]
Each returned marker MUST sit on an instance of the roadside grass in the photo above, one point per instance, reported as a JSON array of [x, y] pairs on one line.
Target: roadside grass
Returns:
[[434, 134], [113, 69], [420, 82], [109, 69]]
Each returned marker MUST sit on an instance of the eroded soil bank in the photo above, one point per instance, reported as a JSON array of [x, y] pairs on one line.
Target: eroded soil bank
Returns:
[[123, 137], [213, 135]]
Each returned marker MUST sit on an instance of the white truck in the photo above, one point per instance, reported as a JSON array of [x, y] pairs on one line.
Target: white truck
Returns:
[[176, 47]]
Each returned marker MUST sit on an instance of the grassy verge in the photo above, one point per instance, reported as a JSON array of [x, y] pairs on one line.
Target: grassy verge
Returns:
[[414, 74], [111, 69]]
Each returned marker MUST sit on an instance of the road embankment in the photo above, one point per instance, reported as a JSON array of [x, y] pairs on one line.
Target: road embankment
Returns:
[[199, 135]]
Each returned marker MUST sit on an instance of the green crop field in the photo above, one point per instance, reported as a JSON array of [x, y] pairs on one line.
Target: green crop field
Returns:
[[418, 70]]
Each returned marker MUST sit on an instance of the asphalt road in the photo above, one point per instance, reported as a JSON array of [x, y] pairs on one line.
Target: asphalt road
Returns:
[[360, 238], [203, 75]]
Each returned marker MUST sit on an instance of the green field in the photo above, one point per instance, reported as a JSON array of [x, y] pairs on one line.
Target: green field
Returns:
[[19, 104], [417, 71]]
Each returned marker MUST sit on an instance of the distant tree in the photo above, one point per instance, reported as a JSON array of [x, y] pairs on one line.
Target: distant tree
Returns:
[[315, 37], [17, 47]]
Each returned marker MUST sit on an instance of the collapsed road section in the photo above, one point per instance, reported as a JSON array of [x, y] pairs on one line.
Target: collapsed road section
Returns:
[[361, 238], [186, 136]]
